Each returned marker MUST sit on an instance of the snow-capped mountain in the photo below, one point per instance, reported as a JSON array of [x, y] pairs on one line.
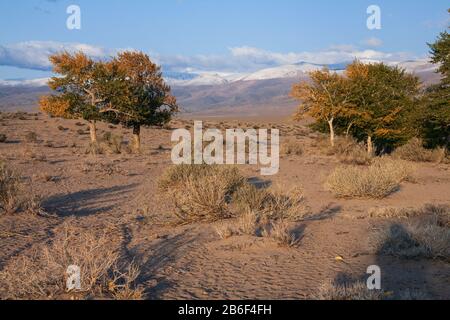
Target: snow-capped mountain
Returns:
[[296, 70], [41, 82]]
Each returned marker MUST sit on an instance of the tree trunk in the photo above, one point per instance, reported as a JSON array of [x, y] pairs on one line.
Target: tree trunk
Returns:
[[348, 129], [370, 146], [330, 123], [93, 131], [137, 138]]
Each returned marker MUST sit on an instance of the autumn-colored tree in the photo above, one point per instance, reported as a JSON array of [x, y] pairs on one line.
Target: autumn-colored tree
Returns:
[[325, 98], [141, 97], [383, 96], [79, 90]]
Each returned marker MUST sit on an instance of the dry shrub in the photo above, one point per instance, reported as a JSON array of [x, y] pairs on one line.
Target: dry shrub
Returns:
[[414, 151], [201, 192], [282, 233], [348, 291], [9, 189], [426, 234], [101, 168], [379, 180], [42, 274], [225, 230], [111, 143], [273, 203], [3, 138], [439, 213], [292, 147], [247, 223], [31, 137], [346, 149]]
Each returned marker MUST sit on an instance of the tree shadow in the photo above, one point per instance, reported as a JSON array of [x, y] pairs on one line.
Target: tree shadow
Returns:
[[87, 202], [329, 211], [259, 183]]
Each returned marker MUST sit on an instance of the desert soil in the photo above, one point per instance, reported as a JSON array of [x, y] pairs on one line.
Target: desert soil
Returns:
[[192, 261]]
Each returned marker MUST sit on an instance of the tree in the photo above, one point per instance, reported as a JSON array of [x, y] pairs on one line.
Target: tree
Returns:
[[141, 96], [325, 98], [79, 90], [434, 120], [383, 97]]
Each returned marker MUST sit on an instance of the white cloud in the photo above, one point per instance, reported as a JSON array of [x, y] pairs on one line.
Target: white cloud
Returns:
[[34, 55], [373, 42]]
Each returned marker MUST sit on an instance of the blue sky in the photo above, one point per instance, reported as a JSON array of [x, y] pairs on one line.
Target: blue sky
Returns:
[[219, 35]]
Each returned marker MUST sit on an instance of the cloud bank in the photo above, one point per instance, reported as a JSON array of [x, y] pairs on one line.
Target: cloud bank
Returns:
[[34, 55]]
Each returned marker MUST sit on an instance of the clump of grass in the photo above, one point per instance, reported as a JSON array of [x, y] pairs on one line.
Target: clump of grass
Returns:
[[292, 148], [346, 149], [31, 137], [3, 138], [42, 275], [415, 151], [281, 232], [357, 291], [439, 213], [201, 192], [112, 143], [273, 203], [224, 230], [247, 223], [414, 240], [377, 181], [10, 187], [425, 234]]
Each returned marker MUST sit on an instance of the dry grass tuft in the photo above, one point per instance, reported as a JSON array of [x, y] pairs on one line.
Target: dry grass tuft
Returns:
[[377, 181], [201, 192], [31, 137], [273, 203], [292, 147], [438, 213], [353, 291], [42, 275], [3, 138], [282, 233], [414, 151], [426, 234], [10, 187]]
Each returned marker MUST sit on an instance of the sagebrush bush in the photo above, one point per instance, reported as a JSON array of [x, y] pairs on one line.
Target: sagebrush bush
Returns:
[[346, 149], [31, 137], [9, 189], [419, 239], [415, 151], [282, 233], [292, 147], [424, 234], [347, 291], [42, 275], [377, 181], [273, 203], [201, 192]]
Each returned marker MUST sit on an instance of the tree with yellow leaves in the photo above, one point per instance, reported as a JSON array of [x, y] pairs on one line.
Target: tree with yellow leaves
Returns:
[[79, 90], [325, 98]]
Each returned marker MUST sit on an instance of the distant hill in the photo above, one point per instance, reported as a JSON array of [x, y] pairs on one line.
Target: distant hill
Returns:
[[207, 92]]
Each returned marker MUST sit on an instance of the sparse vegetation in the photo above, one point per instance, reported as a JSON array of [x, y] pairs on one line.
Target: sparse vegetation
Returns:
[[379, 180], [201, 192], [415, 151], [347, 291], [424, 234], [3, 138], [9, 189], [292, 147], [31, 137], [282, 233], [42, 275]]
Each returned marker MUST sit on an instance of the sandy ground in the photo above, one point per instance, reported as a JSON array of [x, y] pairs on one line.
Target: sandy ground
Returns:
[[192, 262]]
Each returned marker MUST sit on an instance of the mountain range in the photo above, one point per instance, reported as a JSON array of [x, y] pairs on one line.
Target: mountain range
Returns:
[[215, 92]]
